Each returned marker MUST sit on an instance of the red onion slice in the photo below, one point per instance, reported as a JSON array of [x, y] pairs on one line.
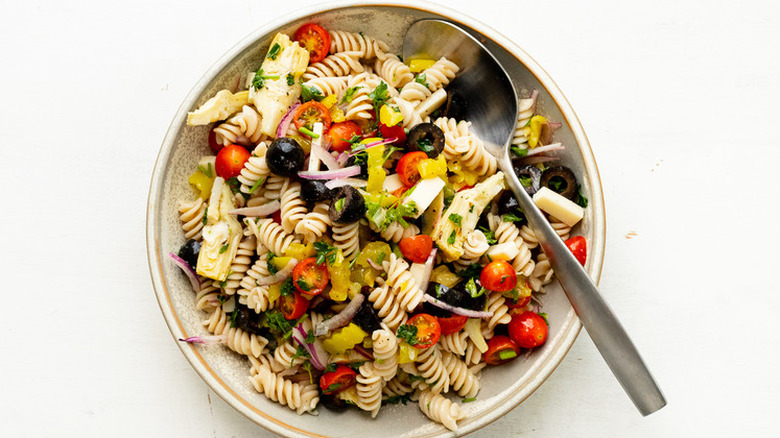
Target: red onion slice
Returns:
[[543, 149], [191, 275], [205, 340], [363, 352], [370, 145], [284, 125], [536, 159], [259, 211], [342, 159], [354, 182], [331, 174], [456, 310], [341, 319], [375, 265], [279, 276], [325, 157], [319, 358]]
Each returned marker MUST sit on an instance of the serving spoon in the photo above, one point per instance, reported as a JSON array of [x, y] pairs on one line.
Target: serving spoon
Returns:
[[492, 108]]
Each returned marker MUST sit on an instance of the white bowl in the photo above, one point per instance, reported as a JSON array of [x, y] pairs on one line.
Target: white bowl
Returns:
[[227, 373]]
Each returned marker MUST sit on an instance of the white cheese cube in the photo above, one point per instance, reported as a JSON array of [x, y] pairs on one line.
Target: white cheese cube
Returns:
[[559, 207], [424, 193], [392, 183], [503, 251]]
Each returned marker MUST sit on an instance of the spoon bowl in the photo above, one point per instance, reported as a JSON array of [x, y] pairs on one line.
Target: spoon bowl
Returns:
[[493, 110]]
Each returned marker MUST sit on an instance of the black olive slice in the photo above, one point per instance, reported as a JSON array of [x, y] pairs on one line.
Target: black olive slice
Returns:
[[366, 317], [530, 176], [285, 157], [457, 296], [561, 180], [313, 190], [248, 320], [190, 251], [428, 138], [347, 205], [507, 203]]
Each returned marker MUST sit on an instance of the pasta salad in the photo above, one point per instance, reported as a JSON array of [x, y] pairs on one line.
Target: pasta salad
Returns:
[[351, 236]]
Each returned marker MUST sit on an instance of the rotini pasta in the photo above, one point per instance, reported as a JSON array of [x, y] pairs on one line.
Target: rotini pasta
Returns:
[[236, 339], [440, 409], [191, 215], [243, 128], [367, 47], [402, 284], [300, 398]]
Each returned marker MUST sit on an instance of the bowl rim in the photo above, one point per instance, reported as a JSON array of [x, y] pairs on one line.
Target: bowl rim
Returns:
[[565, 340]]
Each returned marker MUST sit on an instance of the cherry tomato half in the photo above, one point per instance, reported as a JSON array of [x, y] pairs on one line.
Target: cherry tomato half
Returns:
[[395, 131], [500, 350], [230, 160], [416, 248], [309, 277], [452, 324], [428, 330], [407, 167], [213, 144], [315, 39], [579, 247], [293, 305], [528, 329], [519, 304], [498, 276], [334, 382], [310, 113], [341, 133]]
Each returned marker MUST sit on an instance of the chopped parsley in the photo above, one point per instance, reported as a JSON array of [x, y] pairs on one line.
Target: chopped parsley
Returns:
[[310, 93], [471, 208], [425, 144], [455, 219], [451, 239], [408, 333], [421, 79], [233, 318], [349, 94], [271, 267], [206, 171], [510, 217], [279, 325], [525, 181], [471, 288], [303, 285], [287, 288], [379, 96], [582, 201], [519, 152], [256, 185], [544, 317], [558, 184], [325, 252], [205, 216], [258, 81], [490, 235], [299, 352], [309, 337], [331, 367], [290, 79], [396, 399], [469, 400], [274, 52], [472, 271]]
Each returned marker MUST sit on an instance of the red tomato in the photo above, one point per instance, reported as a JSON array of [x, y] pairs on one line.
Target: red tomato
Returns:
[[293, 306], [498, 276], [466, 187], [407, 167], [521, 302], [579, 247], [396, 131], [309, 113], [315, 39], [341, 133], [500, 350], [416, 248], [428, 330], [452, 324], [213, 145], [309, 277], [400, 191], [230, 161], [528, 329], [334, 382]]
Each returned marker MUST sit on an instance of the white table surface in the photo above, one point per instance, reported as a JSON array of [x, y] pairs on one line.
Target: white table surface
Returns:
[[679, 100]]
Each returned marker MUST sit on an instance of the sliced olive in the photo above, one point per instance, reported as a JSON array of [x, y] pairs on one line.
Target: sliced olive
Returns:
[[249, 320], [366, 317], [428, 138], [507, 203], [189, 252], [529, 176], [313, 190], [359, 159], [333, 402], [561, 180], [457, 296], [456, 106], [347, 205], [285, 157]]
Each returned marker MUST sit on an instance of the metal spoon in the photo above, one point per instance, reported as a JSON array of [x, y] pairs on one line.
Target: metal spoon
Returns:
[[492, 109]]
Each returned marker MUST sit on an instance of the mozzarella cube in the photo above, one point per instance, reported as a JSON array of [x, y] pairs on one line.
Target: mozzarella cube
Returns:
[[559, 207], [503, 251]]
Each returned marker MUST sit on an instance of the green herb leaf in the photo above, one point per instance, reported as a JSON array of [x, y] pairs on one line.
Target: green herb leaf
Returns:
[[455, 218], [290, 79], [287, 288], [489, 235], [519, 152], [299, 352], [271, 267], [233, 318], [525, 181], [256, 185], [258, 81], [205, 216], [331, 367], [274, 52], [582, 201], [421, 79], [425, 144], [279, 325], [309, 337], [379, 96], [310, 93], [206, 171], [509, 217], [349, 94], [396, 399], [473, 271], [453, 236], [557, 184], [303, 285], [408, 333], [325, 252], [544, 317]]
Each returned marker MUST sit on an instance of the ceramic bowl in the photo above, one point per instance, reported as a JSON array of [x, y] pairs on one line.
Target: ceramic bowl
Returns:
[[227, 373]]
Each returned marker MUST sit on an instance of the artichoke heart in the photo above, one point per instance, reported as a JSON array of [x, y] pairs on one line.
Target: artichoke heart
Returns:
[[450, 235], [221, 236], [219, 107], [276, 96]]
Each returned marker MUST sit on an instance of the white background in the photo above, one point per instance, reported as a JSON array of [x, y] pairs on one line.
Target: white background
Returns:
[[679, 100]]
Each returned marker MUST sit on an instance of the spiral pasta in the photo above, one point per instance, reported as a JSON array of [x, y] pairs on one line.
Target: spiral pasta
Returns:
[[431, 368], [387, 305], [542, 273], [300, 398], [285, 354], [440, 409], [207, 298], [328, 85], [475, 246], [360, 105], [526, 108], [270, 234], [368, 48], [338, 64], [393, 71], [385, 346], [236, 339], [454, 342], [496, 303], [436, 76], [507, 232], [397, 386], [255, 170], [293, 207], [240, 265], [315, 223], [243, 128], [462, 379], [191, 215], [473, 355], [453, 129], [369, 389], [560, 228], [345, 238], [401, 283]]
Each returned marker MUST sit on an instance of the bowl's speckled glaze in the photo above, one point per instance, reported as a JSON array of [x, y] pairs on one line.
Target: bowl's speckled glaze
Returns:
[[227, 373]]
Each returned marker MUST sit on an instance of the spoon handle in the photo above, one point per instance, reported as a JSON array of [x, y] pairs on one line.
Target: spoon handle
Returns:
[[600, 322]]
